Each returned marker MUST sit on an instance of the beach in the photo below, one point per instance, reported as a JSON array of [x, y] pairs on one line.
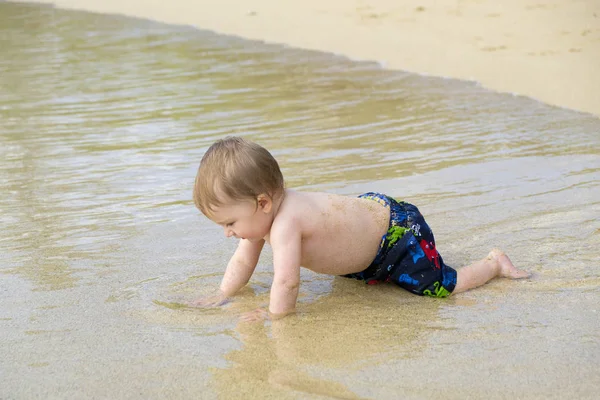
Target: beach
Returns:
[[105, 117], [549, 51]]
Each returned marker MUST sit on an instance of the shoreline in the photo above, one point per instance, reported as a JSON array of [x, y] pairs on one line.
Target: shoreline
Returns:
[[546, 51]]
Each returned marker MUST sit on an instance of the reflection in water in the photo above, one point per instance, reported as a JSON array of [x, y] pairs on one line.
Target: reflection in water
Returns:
[[103, 120], [259, 368], [296, 355]]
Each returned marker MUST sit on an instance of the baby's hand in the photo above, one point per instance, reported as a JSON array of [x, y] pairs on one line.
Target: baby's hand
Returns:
[[260, 314], [214, 300], [254, 316]]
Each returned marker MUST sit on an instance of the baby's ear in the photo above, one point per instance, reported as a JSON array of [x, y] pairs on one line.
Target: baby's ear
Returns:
[[264, 203]]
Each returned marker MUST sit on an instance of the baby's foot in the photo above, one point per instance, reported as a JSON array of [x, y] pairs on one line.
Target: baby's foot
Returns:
[[507, 268]]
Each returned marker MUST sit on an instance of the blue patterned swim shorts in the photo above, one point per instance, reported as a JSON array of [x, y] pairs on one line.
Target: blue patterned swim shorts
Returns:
[[407, 256]]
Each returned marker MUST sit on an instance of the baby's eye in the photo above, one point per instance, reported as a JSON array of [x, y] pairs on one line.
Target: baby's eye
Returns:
[[230, 224]]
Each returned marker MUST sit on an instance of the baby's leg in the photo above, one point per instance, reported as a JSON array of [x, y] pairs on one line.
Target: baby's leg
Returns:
[[495, 264]]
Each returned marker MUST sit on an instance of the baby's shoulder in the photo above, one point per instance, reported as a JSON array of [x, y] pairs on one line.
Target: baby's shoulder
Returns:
[[299, 210], [294, 207], [305, 204]]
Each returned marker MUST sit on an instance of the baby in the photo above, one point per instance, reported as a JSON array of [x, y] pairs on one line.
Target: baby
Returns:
[[371, 237]]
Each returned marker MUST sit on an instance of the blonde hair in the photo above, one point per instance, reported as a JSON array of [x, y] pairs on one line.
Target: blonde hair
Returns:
[[235, 169]]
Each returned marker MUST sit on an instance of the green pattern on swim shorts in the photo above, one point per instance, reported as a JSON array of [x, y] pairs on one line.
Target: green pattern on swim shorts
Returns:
[[395, 233], [439, 291]]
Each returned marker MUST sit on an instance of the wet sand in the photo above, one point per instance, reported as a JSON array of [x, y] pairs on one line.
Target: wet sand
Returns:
[[546, 50], [102, 246]]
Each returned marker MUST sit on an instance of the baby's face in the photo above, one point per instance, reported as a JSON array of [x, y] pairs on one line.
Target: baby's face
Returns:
[[244, 219]]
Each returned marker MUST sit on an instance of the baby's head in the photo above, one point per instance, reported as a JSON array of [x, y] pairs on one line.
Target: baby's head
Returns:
[[234, 170]]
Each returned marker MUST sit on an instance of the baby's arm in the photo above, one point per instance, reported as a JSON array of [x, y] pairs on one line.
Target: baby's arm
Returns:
[[286, 242], [241, 266], [237, 274]]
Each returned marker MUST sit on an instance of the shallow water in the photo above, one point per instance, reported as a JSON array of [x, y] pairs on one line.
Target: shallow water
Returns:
[[103, 121]]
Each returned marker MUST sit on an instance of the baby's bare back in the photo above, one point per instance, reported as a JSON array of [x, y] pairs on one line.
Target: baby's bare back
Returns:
[[340, 234]]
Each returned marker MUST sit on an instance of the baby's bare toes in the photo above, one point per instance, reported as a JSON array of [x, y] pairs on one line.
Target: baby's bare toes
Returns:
[[518, 274]]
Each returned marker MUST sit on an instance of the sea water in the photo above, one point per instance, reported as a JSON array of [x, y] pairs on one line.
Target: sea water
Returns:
[[103, 121]]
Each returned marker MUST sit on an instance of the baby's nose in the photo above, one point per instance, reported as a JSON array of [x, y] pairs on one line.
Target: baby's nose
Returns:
[[228, 232]]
